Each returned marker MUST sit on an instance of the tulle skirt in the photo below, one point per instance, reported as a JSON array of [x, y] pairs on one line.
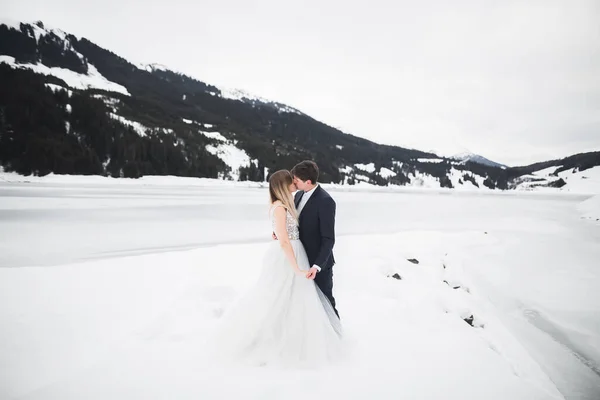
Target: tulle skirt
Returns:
[[282, 320]]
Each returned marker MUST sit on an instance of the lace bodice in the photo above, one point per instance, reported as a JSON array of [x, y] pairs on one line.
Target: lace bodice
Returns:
[[291, 224]]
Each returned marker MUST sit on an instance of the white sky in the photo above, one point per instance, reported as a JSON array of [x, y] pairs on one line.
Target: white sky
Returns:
[[515, 81]]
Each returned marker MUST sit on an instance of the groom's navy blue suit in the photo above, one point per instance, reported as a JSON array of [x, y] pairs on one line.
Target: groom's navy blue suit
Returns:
[[317, 234]]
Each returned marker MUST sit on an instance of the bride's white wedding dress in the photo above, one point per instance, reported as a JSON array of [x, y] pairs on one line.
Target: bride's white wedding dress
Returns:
[[284, 319]]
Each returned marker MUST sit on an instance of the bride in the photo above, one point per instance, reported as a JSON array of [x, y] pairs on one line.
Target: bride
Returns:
[[284, 319]]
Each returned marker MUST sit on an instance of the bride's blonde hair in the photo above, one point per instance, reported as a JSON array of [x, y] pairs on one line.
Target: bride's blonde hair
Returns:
[[279, 182]]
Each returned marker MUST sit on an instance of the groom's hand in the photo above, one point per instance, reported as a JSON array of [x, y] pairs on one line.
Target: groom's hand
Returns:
[[312, 273]]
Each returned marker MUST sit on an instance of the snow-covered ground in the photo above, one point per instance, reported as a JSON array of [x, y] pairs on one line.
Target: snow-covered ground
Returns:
[[137, 127], [111, 287], [586, 181], [92, 80], [242, 95], [590, 209]]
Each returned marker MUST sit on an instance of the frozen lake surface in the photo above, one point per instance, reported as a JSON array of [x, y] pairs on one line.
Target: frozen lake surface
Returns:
[[56, 223], [109, 290]]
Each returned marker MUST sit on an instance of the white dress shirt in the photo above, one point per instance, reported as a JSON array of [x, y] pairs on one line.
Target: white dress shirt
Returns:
[[303, 202], [305, 198]]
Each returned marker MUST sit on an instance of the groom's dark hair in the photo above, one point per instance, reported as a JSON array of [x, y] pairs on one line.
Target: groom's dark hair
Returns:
[[307, 171]]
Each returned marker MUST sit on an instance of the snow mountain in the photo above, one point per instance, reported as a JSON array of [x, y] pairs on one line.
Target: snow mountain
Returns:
[[476, 158], [68, 106]]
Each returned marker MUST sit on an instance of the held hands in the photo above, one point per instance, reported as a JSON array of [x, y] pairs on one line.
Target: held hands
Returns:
[[312, 273]]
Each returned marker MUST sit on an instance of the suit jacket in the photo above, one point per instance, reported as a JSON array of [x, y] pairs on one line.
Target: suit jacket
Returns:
[[317, 228]]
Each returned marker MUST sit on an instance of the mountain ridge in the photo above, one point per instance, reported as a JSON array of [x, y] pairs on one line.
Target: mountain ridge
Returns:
[[477, 158], [163, 122]]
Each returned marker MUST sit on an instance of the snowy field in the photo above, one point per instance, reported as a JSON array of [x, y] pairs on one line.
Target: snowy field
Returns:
[[110, 288]]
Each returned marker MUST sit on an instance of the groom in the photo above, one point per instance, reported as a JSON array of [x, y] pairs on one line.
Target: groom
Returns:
[[316, 211]]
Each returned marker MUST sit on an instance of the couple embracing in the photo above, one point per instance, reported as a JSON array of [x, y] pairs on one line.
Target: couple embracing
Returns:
[[288, 317]]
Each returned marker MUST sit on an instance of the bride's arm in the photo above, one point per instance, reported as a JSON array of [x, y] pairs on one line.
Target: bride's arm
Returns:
[[284, 241]]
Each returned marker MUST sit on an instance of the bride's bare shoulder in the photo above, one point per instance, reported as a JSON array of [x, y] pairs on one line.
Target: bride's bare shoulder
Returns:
[[277, 206]]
